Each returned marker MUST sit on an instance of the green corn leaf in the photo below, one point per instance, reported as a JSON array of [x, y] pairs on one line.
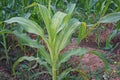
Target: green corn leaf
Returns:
[[117, 2], [102, 57], [1, 22], [28, 25], [65, 35], [45, 15], [66, 56], [118, 26], [64, 23], [68, 70], [64, 73], [31, 58], [112, 35], [61, 33], [35, 75], [82, 74], [26, 40], [70, 8], [42, 52], [106, 7], [31, 5], [22, 59], [102, 7], [5, 31], [56, 22], [110, 18]]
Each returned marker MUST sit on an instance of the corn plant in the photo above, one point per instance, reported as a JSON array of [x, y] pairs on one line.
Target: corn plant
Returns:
[[59, 29]]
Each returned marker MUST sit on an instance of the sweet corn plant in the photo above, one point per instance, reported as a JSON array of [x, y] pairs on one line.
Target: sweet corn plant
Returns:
[[60, 28]]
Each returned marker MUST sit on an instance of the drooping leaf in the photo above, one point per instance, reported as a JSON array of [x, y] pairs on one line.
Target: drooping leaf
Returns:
[[110, 18], [66, 56], [26, 40], [102, 57], [22, 59], [68, 70], [28, 25], [31, 58]]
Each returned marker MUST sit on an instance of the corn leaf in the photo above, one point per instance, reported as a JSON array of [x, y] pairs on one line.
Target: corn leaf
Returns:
[[56, 22], [45, 15], [35, 75], [6, 31], [82, 32], [64, 23], [65, 35], [66, 56], [42, 52], [26, 40], [82, 74], [70, 8], [28, 25], [102, 57], [64, 73], [110, 18], [22, 59]]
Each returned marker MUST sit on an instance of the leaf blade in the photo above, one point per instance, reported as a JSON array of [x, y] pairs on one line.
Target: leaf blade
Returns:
[[110, 18]]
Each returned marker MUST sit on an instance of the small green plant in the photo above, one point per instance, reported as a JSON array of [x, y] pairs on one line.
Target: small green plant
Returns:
[[60, 28]]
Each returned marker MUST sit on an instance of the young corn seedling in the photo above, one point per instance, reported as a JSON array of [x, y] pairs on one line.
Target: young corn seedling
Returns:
[[60, 28]]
